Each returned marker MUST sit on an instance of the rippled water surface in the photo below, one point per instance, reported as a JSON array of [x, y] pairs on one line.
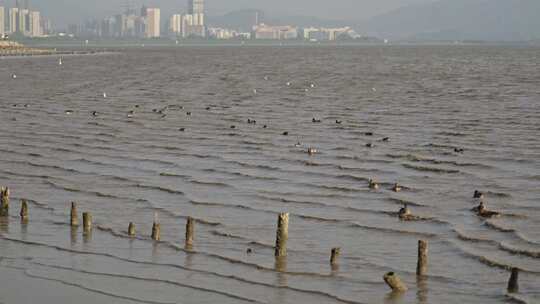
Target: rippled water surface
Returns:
[[62, 141]]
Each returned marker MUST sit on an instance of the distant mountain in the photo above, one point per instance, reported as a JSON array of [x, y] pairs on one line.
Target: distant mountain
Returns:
[[490, 20]]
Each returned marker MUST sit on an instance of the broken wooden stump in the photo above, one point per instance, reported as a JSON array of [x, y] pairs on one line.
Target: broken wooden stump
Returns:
[[282, 235], [422, 266], [87, 222], [4, 201], [156, 231], [190, 229], [24, 210], [334, 255], [513, 285], [74, 221], [131, 229], [394, 282]]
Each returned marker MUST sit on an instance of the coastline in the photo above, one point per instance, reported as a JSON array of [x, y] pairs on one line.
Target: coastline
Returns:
[[14, 49]]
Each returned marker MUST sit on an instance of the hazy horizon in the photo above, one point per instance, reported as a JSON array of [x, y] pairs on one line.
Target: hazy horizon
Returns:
[[62, 13]]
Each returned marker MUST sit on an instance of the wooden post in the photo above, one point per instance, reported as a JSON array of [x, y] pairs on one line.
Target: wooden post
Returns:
[[282, 235], [131, 229], [24, 210], [394, 282], [74, 217], [421, 267], [513, 285], [4, 201], [334, 255], [87, 222], [156, 231], [189, 231]]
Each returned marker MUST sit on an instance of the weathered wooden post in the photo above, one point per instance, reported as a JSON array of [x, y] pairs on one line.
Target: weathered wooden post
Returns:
[[513, 285], [74, 217], [131, 229], [422, 266], [24, 210], [156, 228], [334, 255], [190, 223], [282, 235], [394, 282], [4, 201], [87, 222]]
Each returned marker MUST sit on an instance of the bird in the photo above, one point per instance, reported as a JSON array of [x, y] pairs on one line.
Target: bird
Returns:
[[249, 250], [338, 122], [372, 184], [386, 139], [182, 129], [369, 145], [312, 85], [285, 133], [312, 151], [459, 150], [396, 187], [94, 113], [478, 194], [233, 127], [69, 112], [368, 133], [104, 95], [288, 83], [188, 113], [315, 120], [14, 76]]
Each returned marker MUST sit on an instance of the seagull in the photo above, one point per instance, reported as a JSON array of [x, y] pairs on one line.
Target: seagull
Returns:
[[14, 76], [104, 95]]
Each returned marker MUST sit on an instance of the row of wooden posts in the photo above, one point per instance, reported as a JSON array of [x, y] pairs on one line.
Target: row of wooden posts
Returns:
[[282, 235]]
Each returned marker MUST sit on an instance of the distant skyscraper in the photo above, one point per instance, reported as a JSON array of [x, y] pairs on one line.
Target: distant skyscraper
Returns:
[[195, 7], [2, 21], [24, 21], [13, 20], [35, 24], [152, 22]]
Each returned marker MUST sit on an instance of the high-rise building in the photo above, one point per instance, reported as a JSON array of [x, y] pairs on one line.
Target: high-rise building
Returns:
[[175, 25], [13, 20], [195, 7], [24, 21], [153, 22], [35, 24], [2, 22]]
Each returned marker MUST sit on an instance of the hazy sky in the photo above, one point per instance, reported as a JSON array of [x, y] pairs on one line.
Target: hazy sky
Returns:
[[63, 11]]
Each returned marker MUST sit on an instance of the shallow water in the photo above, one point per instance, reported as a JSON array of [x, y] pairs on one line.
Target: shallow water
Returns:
[[427, 100]]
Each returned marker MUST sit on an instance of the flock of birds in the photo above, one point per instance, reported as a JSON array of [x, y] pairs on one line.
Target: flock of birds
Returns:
[[404, 213]]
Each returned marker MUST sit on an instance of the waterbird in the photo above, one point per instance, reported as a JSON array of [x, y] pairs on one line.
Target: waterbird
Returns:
[[251, 121], [368, 133], [254, 91], [208, 108], [315, 120], [233, 127], [459, 150], [265, 77], [182, 129], [288, 83], [312, 85], [373, 184], [104, 95], [188, 113], [374, 90], [285, 133], [60, 61], [312, 151], [369, 145], [338, 121], [265, 126], [249, 250], [14, 76], [94, 113], [478, 194], [482, 211], [386, 139], [396, 187], [69, 112], [404, 211], [298, 144]]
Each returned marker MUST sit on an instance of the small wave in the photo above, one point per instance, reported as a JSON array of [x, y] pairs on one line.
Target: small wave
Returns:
[[389, 230], [159, 188], [430, 169]]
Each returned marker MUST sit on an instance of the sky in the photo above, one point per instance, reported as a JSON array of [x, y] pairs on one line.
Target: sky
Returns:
[[69, 11]]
